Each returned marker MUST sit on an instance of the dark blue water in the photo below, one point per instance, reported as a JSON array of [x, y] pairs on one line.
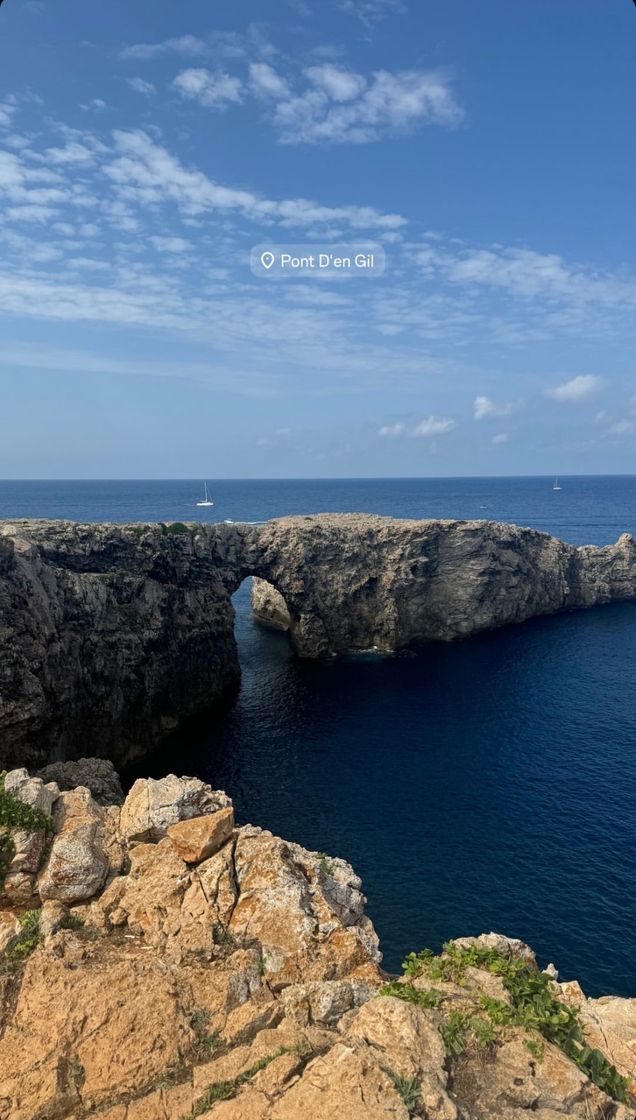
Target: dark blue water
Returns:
[[489, 784]]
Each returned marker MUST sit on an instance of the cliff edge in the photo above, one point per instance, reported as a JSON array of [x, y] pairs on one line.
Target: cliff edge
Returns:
[[159, 963], [111, 635]]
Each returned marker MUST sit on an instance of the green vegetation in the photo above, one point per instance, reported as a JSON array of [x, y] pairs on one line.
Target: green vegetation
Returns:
[[225, 1090], [174, 528], [325, 865], [534, 1006], [409, 1088], [422, 997], [207, 1041], [72, 921], [15, 814], [28, 939], [7, 852]]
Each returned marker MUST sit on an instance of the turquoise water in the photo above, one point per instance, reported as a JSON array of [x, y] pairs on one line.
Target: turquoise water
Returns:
[[488, 784]]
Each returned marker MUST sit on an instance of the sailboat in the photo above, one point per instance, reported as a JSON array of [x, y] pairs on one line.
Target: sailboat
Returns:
[[556, 485], [206, 501]]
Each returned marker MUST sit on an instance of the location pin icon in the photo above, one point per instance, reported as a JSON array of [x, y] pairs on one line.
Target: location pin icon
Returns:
[[267, 259]]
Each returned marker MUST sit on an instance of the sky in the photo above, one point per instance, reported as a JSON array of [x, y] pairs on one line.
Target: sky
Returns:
[[487, 149]]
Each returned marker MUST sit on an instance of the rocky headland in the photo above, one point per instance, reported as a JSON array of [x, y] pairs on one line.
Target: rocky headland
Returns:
[[112, 635], [157, 962]]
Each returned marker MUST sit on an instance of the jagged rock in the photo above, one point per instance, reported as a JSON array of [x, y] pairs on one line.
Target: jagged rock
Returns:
[[78, 862], [96, 774], [113, 634], [245, 987], [508, 946], [610, 1024], [408, 1042], [53, 915], [28, 846], [268, 605], [196, 839], [9, 929], [515, 1083], [282, 902], [324, 1002], [152, 806]]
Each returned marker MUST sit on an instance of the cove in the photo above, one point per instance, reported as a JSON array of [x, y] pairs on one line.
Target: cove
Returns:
[[473, 786]]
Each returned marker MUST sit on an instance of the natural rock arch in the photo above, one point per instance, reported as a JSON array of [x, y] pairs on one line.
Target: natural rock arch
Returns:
[[110, 635]]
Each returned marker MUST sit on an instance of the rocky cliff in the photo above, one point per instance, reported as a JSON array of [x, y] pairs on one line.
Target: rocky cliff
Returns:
[[159, 963], [110, 635]]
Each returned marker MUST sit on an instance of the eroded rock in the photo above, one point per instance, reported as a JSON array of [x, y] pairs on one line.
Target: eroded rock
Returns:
[[113, 634], [196, 839], [153, 805], [247, 986]]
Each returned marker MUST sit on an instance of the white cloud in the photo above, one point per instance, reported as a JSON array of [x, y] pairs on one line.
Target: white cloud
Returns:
[[140, 85], [370, 12], [70, 153], [265, 81], [213, 90], [147, 173], [7, 111], [170, 244], [337, 83], [183, 44], [485, 409], [501, 437], [340, 106], [623, 428], [527, 275], [433, 426], [391, 430], [577, 389], [96, 104]]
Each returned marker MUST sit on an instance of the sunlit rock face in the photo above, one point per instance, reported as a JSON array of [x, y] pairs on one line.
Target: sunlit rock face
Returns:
[[111, 635], [172, 965]]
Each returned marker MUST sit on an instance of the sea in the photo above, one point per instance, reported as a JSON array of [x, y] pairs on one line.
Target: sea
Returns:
[[488, 784]]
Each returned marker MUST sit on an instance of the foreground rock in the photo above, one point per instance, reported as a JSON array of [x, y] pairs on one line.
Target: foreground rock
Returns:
[[244, 983], [96, 774], [112, 635]]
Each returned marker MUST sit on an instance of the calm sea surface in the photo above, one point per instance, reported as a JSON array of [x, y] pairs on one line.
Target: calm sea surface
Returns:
[[489, 784]]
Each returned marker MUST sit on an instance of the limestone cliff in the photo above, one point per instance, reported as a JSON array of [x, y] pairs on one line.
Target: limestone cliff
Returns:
[[159, 963], [110, 635]]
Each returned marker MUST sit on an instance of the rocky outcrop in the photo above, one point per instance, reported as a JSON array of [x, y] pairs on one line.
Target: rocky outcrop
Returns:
[[111, 635], [96, 774], [243, 982]]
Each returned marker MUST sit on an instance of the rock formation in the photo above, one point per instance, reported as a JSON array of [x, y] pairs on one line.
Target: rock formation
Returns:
[[172, 966], [111, 635]]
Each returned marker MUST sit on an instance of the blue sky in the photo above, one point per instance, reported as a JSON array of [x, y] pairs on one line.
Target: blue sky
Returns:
[[146, 147]]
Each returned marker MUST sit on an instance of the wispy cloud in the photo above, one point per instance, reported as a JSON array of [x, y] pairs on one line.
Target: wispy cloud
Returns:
[[371, 12], [339, 105], [433, 426], [576, 389], [183, 44], [485, 409], [527, 274], [146, 172], [140, 85], [213, 90], [266, 82], [427, 428]]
